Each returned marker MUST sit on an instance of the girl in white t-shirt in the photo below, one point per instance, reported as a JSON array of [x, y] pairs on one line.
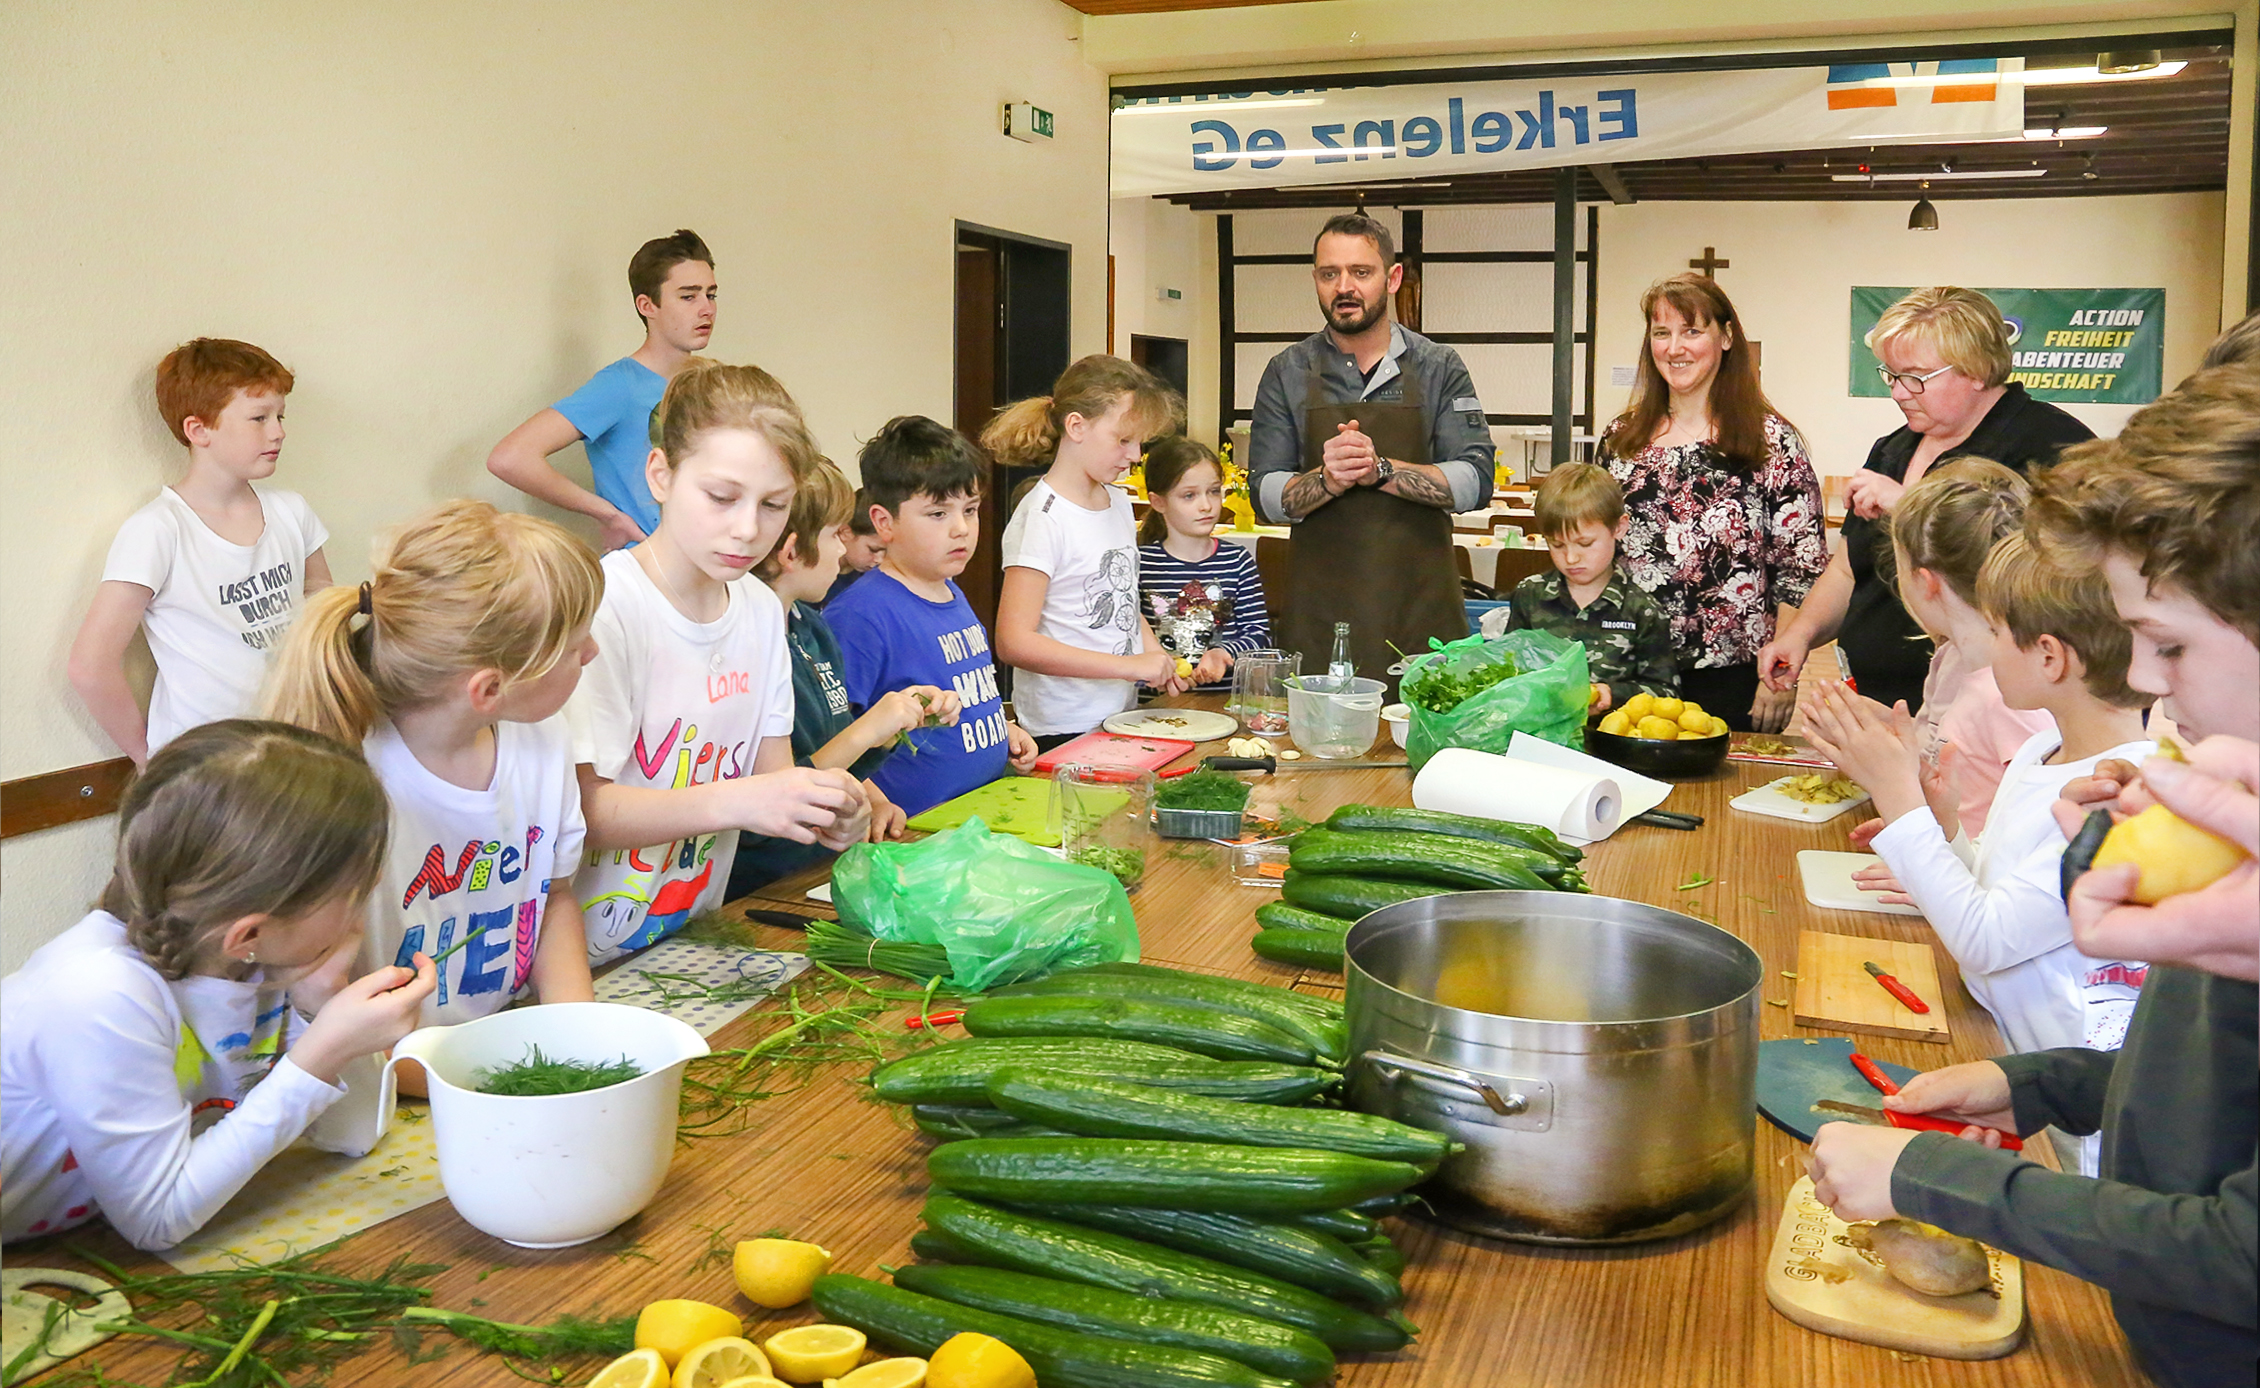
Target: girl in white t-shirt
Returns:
[[157, 1053], [682, 724], [214, 568], [449, 668], [1067, 619]]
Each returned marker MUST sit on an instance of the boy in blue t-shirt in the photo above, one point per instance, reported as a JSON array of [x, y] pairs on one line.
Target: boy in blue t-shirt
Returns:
[[672, 279], [906, 624]]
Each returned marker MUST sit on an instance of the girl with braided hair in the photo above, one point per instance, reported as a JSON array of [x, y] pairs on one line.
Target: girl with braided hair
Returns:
[[161, 1051]]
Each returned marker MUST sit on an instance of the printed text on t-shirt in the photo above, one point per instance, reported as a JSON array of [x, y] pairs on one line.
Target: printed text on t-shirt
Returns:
[[261, 598]]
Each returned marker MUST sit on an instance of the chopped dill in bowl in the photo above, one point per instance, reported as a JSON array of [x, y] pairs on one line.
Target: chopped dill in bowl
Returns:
[[538, 1074]]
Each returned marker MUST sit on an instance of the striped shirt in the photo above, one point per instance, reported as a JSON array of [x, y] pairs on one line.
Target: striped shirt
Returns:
[[1224, 609]]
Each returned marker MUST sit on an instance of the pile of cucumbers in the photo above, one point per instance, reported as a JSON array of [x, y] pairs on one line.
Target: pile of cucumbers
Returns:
[[1139, 1197], [1365, 857]]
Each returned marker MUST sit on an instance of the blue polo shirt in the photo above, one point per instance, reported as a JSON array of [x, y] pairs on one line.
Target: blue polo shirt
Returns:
[[613, 413]]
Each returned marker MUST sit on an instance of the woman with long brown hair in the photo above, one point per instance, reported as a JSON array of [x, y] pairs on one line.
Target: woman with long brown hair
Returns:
[[1725, 512]]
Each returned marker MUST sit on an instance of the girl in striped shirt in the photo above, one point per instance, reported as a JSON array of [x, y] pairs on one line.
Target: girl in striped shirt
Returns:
[[1203, 597]]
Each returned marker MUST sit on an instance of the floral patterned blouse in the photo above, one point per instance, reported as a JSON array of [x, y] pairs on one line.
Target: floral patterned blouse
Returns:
[[1717, 549]]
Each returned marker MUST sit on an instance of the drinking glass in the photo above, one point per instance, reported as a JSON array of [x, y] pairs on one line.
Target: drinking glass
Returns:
[[1259, 690], [1102, 816]]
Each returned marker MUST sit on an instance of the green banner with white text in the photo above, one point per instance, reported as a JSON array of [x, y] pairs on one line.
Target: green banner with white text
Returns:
[[2070, 346]]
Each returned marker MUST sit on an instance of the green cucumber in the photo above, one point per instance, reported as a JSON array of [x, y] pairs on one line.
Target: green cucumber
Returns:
[[1328, 1035], [1320, 1262], [1050, 1248], [1348, 897], [1347, 1225], [1265, 1346], [1163, 1175], [1404, 818], [1061, 1358], [951, 1126], [1278, 915], [1203, 1030], [957, 1072], [1310, 949], [1319, 1007], [1382, 1254], [1111, 1108], [1448, 862], [1382, 1206]]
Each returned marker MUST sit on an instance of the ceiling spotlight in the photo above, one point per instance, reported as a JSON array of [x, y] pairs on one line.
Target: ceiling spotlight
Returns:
[[2127, 60], [1925, 216]]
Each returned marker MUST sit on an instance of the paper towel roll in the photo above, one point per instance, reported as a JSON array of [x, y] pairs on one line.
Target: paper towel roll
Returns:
[[1574, 804]]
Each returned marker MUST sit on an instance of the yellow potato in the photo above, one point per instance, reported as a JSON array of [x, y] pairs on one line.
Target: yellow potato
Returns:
[[1617, 724], [1657, 729], [1694, 722], [1639, 706], [1668, 708]]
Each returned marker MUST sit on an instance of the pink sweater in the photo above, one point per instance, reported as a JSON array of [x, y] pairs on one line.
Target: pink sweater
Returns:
[[1965, 725]]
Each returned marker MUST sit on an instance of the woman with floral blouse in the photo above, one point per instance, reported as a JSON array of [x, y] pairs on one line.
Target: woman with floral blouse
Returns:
[[1725, 530]]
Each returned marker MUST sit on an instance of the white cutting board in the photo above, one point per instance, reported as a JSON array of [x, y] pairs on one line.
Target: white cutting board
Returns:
[[1766, 800], [1828, 882]]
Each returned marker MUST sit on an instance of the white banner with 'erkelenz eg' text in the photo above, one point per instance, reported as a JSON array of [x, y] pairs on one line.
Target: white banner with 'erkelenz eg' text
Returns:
[[1368, 134]]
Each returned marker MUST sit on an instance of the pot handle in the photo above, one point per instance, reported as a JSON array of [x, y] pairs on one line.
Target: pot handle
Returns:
[[1388, 1063]]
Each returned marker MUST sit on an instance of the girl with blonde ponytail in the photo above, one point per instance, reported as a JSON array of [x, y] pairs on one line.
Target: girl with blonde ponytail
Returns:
[[1067, 618], [450, 669], [157, 1054]]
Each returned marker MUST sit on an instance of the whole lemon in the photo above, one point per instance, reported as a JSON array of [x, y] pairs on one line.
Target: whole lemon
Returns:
[[1657, 728], [777, 1273], [1617, 724], [968, 1360], [1694, 722], [1690, 706], [2175, 855], [1669, 708], [1638, 706]]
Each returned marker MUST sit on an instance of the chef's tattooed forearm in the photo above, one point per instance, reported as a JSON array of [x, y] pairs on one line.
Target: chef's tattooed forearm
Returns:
[[1421, 484], [1305, 493]]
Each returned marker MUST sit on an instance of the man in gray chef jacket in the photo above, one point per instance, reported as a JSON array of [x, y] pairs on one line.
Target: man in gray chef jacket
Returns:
[[1366, 438]]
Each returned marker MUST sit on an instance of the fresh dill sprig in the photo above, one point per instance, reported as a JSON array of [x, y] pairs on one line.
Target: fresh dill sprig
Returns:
[[539, 1075]]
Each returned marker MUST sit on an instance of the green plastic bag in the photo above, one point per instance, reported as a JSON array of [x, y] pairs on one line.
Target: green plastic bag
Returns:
[[1001, 909], [1547, 699]]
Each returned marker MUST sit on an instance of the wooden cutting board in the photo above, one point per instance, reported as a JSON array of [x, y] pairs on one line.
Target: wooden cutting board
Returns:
[[1823, 1283], [1833, 991]]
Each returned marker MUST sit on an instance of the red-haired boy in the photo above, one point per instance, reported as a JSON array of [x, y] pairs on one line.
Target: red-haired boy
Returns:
[[214, 568]]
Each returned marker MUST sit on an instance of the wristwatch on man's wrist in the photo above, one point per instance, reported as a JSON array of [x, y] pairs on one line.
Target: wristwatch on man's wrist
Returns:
[[1383, 470]]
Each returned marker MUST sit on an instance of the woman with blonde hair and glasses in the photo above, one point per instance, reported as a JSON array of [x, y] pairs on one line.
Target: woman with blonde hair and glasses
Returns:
[[1945, 356]]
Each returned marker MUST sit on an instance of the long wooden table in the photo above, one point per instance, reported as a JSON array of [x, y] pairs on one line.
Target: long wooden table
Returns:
[[829, 1165]]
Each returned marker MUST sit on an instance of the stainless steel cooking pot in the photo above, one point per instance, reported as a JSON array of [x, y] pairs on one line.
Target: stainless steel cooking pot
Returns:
[[1598, 1058]]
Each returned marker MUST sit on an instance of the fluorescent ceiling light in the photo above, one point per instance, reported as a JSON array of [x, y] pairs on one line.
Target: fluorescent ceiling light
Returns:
[[1168, 106], [2031, 77], [2067, 132], [1935, 177]]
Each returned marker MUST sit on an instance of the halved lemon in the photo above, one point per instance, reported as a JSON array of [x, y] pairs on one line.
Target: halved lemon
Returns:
[[755, 1381], [812, 1353], [676, 1327], [716, 1361], [968, 1360], [886, 1373], [778, 1273], [638, 1368]]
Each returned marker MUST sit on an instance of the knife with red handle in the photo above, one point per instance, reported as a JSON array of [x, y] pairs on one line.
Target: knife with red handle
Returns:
[[1894, 987], [1920, 1122]]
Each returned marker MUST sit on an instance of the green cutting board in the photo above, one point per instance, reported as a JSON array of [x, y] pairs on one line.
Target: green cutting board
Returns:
[[1015, 805]]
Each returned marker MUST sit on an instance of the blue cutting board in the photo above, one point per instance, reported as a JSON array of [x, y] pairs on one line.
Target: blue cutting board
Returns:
[[1795, 1074]]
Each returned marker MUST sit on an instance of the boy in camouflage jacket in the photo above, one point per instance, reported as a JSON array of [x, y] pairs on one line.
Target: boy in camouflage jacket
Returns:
[[1626, 637]]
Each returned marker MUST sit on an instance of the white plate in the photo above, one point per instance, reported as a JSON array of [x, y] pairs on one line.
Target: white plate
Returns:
[[1828, 882], [1183, 724], [1766, 800]]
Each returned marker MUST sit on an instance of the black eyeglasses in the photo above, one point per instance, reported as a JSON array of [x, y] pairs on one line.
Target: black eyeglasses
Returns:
[[1909, 379]]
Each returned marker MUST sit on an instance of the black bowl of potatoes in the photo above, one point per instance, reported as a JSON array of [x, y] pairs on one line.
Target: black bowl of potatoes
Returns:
[[1660, 737]]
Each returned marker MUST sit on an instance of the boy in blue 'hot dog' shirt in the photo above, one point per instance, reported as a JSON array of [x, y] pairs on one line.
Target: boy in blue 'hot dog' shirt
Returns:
[[905, 623]]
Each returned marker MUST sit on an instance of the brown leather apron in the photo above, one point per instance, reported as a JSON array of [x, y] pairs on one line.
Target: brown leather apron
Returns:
[[1376, 561]]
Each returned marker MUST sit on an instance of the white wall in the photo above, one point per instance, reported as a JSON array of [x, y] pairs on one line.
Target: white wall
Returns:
[[1794, 266], [1154, 244], [1795, 263], [425, 209]]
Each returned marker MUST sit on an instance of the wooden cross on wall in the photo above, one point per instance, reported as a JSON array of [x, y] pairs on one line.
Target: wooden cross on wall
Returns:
[[1710, 264]]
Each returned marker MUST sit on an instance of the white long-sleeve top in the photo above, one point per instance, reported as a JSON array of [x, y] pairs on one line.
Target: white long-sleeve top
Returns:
[[2002, 915], [112, 1077]]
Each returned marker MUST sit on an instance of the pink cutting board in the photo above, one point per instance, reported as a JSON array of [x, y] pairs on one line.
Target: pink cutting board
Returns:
[[1102, 748]]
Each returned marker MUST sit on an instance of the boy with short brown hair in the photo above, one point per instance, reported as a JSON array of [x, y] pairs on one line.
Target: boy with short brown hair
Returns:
[[214, 567], [1627, 638]]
